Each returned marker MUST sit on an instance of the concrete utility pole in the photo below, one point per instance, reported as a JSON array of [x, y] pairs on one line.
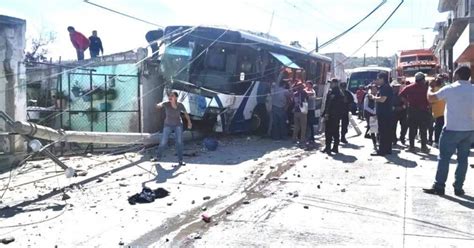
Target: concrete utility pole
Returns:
[[317, 45], [271, 23], [377, 47]]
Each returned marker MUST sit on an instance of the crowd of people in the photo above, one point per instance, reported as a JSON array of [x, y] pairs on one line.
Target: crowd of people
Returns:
[[417, 108], [294, 101], [401, 104]]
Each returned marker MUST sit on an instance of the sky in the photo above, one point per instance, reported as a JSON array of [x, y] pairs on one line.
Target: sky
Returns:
[[301, 20]]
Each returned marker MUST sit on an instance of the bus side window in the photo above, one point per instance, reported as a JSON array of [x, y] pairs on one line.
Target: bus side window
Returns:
[[231, 63], [319, 73], [216, 59]]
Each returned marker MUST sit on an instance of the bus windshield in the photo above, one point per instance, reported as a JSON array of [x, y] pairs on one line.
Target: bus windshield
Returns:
[[361, 78], [175, 62]]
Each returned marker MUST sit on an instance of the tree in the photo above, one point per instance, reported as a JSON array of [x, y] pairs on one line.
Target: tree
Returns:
[[38, 49]]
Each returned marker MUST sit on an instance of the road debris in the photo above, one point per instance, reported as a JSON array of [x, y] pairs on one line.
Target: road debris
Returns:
[[7, 240], [206, 218]]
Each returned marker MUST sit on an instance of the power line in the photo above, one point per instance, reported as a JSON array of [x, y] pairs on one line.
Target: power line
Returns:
[[378, 29], [121, 13], [372, 36], [353, 26]]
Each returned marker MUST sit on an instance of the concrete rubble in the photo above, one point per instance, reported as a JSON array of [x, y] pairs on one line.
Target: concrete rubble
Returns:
[[288, 196]]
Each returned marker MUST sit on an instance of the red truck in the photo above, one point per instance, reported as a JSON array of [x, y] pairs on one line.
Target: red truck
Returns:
[[412, 61]]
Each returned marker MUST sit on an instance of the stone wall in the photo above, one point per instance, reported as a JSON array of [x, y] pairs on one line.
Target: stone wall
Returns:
[[12, 78]]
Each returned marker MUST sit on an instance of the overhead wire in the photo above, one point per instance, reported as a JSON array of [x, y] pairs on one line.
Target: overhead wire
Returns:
[[353, 26], [373, 34], [122, 13]]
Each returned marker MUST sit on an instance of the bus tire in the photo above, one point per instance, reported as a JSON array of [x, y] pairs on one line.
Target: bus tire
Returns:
[[260, 120]]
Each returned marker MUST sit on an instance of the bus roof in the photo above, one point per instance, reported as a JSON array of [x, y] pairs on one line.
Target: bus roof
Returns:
[[264, 41], [371, 68]]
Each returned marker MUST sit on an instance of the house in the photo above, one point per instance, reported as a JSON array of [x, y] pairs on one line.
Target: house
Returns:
[[454, 43]]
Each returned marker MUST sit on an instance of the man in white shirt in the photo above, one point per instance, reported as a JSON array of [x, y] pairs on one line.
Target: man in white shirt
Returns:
[[458, 131]]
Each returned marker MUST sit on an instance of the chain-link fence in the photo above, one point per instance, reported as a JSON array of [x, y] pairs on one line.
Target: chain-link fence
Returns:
[[101, 102]]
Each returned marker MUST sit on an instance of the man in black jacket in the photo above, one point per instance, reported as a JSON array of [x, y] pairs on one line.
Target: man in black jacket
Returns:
[[333, 111], [95, 46], [384, 105], [348, 102]]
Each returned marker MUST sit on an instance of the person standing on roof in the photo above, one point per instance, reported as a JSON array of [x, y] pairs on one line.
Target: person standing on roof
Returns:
[[458, 131], [95, 45], [419, 114], [173, 122], [79, 41]]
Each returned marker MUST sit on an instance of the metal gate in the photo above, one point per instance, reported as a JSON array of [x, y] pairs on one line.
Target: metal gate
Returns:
[[100, 102]]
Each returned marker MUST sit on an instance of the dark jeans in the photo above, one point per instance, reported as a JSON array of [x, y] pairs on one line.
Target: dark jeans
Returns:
[[94, 54], [331, 132], [449, 142], [400, 117], [279, 129], [80, 55], [418, 120], [344, 124], [311, 121], [178, 135], [385, 133], [439, 123]]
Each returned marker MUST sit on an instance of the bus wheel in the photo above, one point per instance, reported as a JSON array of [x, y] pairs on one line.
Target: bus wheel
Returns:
[[259, 121]]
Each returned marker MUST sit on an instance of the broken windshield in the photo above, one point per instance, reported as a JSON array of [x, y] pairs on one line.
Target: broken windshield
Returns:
[[175, 63]]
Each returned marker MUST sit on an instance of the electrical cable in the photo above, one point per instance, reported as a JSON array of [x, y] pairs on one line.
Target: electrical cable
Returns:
[[353, 26], [123, 14], [372, 36]]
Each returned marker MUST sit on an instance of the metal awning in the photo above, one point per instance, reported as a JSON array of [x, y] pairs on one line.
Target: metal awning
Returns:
[[287, 62]]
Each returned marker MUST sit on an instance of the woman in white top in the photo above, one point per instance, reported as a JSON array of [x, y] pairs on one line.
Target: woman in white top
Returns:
[[370, 115]]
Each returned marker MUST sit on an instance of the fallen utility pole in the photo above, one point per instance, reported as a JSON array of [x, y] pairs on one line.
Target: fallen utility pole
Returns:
[[29, 130], [47, 133]]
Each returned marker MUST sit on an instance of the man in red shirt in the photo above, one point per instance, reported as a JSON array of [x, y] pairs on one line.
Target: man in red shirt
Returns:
[[79, 41], [419, 115]]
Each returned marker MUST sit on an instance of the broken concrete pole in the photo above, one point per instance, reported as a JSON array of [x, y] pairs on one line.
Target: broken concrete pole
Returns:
[[42, 132]]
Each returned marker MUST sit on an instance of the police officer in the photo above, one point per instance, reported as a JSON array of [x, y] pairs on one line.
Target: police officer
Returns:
[[348, 102], [333, 111]]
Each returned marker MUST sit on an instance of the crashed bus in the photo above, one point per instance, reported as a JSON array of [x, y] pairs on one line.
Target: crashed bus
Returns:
[[224, 76]]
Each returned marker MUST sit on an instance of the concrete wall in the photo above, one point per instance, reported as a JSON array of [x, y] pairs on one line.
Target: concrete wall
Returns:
[[12, 80], [152, 93]]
